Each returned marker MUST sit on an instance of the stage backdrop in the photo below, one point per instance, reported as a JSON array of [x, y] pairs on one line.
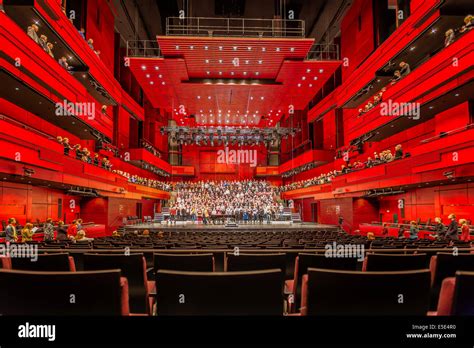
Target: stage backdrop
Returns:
[[215, 163]]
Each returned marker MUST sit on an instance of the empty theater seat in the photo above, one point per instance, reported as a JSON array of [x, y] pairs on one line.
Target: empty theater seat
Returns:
[[133, 268], [331, 292], [184, 262], [63, 293], [60, 262], [304, 261], [444, 265], [395, 262], [219, 293], [457, 295]]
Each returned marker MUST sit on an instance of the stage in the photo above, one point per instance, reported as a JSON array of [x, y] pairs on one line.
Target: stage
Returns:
[[190, 227]]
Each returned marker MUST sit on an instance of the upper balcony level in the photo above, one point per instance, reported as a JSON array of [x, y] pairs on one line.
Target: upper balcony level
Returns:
[[234, 27]]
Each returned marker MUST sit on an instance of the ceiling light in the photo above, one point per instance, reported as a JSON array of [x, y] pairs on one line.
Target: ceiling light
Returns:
[[245, 73], [251, 98], [321, 71], [209, 97], [310, 85], [143, 67], [208, 72], [206, 48], [257, 73], [315, 78], [247, 61], [207, 61], [199, 97], [160, 76], [308, 70], [163, 83], [292, 49], [191, 47], [262, 98], [456, 95], [220, 61], [260, 62], [263, 49], [412, 48], [148, 76], [220, 48], [299, 84], [249, 48], [277, 49], [303, 78], [152, 83], [157, 68], [177, 47], [235, 48]]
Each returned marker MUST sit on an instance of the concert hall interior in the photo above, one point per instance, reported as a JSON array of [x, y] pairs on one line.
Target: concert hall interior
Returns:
[[302, 157]]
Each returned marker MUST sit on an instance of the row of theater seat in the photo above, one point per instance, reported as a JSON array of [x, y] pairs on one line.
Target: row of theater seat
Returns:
[[252, 284]]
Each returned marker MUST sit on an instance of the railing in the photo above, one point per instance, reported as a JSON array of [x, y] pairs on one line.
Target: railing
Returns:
[[237, 27], [445, 134], [143, 48], [323, 52]]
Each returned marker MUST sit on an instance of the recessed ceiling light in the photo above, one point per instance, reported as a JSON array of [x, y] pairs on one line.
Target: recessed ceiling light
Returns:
[[277, 49], [191, 47], [220, 72], [315, 78], [262, 98], [160, 76], [456, 95], [251, 98], [148, 76], [303, 78], [257, 73], [299, 84], [157, 68], [163, 83], [235, 48], [263, 49], [199, 97], [220, 61], [249, 48], [431, 107], [220, 48], [308, 70], [321, 71], [292, 49], [206, 48], [143, 67], [260, 62], [232, 73], [209, 97], [177, 47], [310, 85], [412, 48], [208, 72], [245, 73], [207, 61]]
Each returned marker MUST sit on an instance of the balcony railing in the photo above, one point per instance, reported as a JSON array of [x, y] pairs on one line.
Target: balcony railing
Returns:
[[235, 27], [323, 52], [143, 48]]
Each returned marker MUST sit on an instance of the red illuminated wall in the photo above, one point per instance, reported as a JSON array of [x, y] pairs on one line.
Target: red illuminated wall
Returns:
[[357, 42], [25, 202], [100, 27], [204, 160]]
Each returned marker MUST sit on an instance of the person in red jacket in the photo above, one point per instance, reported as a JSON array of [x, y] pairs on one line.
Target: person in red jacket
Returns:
[[465, 236], [72, 230]]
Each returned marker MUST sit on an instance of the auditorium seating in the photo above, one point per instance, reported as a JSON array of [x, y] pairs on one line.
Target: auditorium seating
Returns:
[[60, 262], [63, 293], [219, 293], [133, 267], [395, 262], [304, 261], [444, 265], [335, 292], [183, 262], [456, 295]]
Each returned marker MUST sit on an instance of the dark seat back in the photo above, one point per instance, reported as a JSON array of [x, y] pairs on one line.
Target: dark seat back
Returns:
[[368, 293], [219, 293], [463, 294], [448, 264], [396, 262], [184, 262], [60, 293], [132, 267], [46, 263]]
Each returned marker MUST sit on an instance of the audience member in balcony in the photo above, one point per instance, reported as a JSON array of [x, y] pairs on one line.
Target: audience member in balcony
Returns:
[[359, 165], [452, 231], [48, 230], [86, 155], [385, 230], [90, 42], [10, 231], [77, 149], [82, 32], [414, 230], [376, 158], [398, 152], [44, 42], [401, 232], [50, 47], [27, 233], [440, 229], [369, 163], [63, 62], [66, 145], [96, 159], [468, 24], [397, 75], [81, 237], [449, 37], [62, 233], [404, 69], [32, 32], [79, 224], [376, 99], [465, 235]]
